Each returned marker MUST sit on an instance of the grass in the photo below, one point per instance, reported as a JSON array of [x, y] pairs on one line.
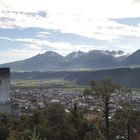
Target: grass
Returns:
[[68, 86], [75, 89], [136, 92], [47, 83]]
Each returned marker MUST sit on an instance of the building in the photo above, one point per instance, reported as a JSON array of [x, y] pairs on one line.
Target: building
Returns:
[[5, 96]]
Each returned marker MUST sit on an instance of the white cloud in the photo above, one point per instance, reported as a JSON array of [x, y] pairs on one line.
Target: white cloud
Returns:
[[136, 1], [65, 48], [83, 17], [42, 34], [89, 18], [87, 8], [14, 55], [102, 29], [6, 38], [60, 47], [129, 49], [32, 46]]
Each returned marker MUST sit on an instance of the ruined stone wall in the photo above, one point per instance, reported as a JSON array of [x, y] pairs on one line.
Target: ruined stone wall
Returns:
[[5, 96]]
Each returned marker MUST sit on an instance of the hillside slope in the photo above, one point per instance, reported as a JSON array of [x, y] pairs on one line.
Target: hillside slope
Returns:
[[129, 77]]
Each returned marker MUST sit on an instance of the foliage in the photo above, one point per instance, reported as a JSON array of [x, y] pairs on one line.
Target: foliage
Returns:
[[11, 136], [54, 123], [34, 136], [104, 90]]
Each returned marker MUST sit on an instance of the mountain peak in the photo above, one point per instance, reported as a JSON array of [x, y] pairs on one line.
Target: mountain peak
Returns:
[[50, 61], [74, 55], [50, 53], [133, 59], [98, 52], [137, 52]]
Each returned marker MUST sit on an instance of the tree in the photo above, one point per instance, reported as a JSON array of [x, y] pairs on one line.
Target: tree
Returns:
[[36, 118], [103, 90], [81, 125], [4, 124], [126, 122], [35, 136], [58, 127], [11, 136]]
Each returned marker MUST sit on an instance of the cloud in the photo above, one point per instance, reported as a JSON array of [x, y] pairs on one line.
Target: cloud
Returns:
[[43, 34], [32, 46], [39, 45], [87, 8], [19, 54], [60, 47], [101, 29], [128, 21], [6, 38], [136, 1], [129, 49], [90, 19], [80, 17]]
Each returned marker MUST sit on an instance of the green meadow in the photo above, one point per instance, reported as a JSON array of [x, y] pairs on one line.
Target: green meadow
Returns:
[[66, 85]]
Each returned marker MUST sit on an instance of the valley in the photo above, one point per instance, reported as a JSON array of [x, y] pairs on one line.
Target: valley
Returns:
[[128, 77], [36, 94]]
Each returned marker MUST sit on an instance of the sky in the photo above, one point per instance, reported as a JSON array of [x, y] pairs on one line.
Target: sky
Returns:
[[30, 27]]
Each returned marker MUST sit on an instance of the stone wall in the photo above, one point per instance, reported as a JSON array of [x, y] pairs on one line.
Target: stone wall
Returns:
[[5, 96]]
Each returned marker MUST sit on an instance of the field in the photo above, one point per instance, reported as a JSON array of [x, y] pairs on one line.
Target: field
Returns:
[[67, 85], [136, 92]]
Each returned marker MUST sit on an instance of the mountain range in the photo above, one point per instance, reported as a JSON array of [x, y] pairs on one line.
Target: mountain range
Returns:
[[96, 59]]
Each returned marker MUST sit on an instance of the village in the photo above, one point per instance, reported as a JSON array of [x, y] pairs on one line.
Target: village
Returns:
[[20, 100], [30, 99]]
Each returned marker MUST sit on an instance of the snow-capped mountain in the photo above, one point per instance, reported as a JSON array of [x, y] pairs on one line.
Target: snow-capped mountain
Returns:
[[95, 59]]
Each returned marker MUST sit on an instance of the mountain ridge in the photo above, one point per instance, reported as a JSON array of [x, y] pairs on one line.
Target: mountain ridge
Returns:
[[94, 59]]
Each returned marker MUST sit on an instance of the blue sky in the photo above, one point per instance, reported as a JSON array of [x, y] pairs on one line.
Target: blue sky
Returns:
[[29, 27]]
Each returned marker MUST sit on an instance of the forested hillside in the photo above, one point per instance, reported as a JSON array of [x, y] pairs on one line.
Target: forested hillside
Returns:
[[129, 77]]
